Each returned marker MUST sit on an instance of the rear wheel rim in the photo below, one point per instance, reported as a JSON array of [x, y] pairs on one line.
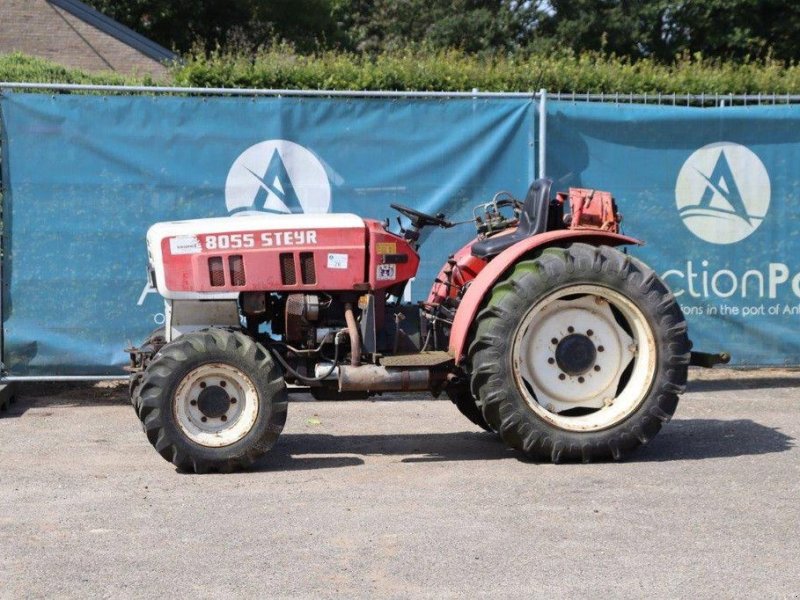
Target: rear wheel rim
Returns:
[[584, 357], [215, 405]]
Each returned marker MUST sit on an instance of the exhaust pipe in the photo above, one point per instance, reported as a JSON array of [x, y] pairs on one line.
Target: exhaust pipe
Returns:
[[373, 378]]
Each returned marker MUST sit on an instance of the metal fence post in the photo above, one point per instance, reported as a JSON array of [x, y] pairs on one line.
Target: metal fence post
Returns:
[[542, 133], [6, 389]]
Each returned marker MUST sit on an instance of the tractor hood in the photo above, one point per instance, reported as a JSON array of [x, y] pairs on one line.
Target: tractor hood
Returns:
[[218, 258]]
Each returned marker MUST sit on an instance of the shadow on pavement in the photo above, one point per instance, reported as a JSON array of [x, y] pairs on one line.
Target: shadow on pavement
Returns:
[[696, 439], [752, 383], [292, 449], [55, 395], [686, 439]]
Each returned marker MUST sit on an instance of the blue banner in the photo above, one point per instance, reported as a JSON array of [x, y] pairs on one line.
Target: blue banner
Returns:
[[714, 193], [86, 175]]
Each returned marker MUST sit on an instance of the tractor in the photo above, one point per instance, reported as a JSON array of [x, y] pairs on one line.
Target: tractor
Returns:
[[540, 329]]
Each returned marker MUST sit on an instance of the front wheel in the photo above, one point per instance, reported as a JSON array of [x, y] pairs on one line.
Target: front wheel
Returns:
[[579, 354], [212, 401], [148, 348]]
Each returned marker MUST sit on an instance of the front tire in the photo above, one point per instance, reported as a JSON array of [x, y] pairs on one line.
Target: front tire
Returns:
[[213, 400], [150, 346], [579, 354]]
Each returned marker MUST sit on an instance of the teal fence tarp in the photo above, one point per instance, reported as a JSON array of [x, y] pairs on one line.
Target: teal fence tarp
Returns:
[[86, 175], [714, 192]]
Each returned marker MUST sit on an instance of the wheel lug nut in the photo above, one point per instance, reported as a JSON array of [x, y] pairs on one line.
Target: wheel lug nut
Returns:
[[571, 329], [202, 384], [581, 380], [589, 332], [224, 418], [222, 384], [551, 360], [600, 349], [203, 419], [554, 341], [233, 400], [562, 377], [193, 402], [597, 367]]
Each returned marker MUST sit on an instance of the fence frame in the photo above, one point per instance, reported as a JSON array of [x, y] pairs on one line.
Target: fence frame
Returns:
[[542, 97]]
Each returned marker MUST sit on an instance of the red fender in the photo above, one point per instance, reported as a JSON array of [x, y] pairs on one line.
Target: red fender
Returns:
[[485, 280]]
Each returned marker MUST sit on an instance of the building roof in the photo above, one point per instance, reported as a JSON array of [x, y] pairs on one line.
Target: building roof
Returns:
[[116, 30]]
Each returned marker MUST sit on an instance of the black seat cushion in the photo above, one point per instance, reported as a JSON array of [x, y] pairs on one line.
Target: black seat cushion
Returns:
[[532, 220]]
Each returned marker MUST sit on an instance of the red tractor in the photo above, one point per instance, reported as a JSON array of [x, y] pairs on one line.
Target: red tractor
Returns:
[[539, 329]]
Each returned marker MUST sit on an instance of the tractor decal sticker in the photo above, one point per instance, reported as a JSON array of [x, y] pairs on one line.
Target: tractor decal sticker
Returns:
[[266, 239], [337, 261], [386, 272], [184, 244], [386, 247]]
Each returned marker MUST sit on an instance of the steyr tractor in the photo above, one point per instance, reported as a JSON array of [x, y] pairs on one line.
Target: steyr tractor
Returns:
[[539, 329]]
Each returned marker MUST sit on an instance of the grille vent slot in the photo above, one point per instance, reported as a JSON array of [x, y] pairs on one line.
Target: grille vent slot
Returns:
[[215, 271], [236, 266], [288, 275], [308, 273]]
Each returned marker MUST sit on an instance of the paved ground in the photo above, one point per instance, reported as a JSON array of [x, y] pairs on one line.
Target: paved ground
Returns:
[[403, 499]]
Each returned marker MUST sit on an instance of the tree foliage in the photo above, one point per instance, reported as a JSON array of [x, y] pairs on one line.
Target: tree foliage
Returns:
[[738, 30]]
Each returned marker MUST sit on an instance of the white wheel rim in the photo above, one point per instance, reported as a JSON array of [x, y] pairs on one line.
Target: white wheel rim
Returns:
[[223, 425], [599, 393]]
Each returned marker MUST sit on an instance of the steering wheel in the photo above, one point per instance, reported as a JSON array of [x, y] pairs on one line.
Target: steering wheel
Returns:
[[420, 219]]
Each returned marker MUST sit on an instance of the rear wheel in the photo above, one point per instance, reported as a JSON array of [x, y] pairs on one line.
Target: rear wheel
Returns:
[[212, 401], [579, 353], [466, 405]]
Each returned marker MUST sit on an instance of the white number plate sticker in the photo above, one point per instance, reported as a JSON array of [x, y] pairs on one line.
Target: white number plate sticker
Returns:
[[185, 244], [337, 261]]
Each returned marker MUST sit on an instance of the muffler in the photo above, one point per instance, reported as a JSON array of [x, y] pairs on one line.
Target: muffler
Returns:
[[373, 378]]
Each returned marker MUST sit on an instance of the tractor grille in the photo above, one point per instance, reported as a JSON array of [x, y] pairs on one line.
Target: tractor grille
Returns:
[[215, 272], [236, 266], [307, 272], [288, 275]]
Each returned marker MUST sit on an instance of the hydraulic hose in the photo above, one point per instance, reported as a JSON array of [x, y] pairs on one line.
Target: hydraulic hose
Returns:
[[305, 378], [352, 331]]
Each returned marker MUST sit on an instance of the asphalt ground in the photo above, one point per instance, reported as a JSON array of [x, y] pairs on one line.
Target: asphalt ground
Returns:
[[403, 498]]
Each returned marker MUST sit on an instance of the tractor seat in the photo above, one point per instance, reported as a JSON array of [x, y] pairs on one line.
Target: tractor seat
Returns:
[[532, 220]]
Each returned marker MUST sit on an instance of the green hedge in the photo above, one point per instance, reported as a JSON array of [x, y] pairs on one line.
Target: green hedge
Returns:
[[455, 71], [280, 67], [21, 68]]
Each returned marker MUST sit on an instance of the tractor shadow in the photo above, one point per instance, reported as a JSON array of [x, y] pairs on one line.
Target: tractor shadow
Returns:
[[51, 395], [744, 383], [680, 440], [697, 439], [298, 451]]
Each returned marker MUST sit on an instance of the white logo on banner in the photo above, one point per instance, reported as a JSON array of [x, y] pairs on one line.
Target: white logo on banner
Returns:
[[723, 193], [277, 176]]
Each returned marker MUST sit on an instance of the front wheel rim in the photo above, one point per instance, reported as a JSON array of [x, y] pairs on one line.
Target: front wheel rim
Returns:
[[215, 405], [584, 357]]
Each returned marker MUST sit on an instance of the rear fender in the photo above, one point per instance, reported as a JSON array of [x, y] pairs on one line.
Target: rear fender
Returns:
[[480, 286]]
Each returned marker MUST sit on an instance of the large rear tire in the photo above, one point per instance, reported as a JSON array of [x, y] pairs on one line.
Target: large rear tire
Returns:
[[579, 354], [466, 405], [212, 401]]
